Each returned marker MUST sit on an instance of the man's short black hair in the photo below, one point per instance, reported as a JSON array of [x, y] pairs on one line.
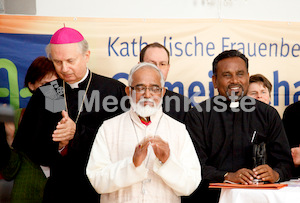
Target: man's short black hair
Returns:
[[228, 54]]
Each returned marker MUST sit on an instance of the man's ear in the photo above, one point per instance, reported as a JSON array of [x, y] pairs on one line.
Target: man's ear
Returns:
[[87, 56], [168, 68], [127, 90], [163, 91], [214, 80]]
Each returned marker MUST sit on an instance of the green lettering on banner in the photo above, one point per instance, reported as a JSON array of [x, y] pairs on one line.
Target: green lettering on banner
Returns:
[[13, 90]]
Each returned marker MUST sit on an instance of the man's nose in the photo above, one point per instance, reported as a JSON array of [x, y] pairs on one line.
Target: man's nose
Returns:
[[64, 67], [259, 95], [147, 93], [234, 79]]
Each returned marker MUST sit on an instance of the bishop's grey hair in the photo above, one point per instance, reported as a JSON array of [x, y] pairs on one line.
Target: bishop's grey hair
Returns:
[[83, 46]]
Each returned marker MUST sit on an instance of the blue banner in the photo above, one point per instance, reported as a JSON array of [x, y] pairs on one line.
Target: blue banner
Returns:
[[17, 51]]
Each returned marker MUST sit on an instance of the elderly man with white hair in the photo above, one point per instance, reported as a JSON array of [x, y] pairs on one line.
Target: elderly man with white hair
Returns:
[[143, 155]]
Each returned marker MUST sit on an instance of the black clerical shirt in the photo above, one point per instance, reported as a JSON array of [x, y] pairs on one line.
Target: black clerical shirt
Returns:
[[68, 180], [223, 139], [291, 122]]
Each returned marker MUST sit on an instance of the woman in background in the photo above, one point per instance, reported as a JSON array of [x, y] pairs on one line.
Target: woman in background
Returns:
[[260, 88], [29, 178]]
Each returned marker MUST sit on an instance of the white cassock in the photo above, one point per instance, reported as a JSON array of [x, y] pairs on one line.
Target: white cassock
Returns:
[[111, 170]]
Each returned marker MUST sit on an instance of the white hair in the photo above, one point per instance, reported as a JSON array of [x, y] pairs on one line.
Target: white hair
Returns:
[[83, 46], [145, 64]]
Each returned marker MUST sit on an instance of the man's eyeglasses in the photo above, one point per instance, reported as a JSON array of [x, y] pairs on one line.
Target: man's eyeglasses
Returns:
[[142, 89]]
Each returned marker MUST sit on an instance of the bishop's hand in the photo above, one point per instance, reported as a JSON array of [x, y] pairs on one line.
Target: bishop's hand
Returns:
[[140, 152], [65, 130], [161, 148]]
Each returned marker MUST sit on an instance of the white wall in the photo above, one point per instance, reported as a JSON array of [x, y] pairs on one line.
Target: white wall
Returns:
[[18, 7], [267, 10]]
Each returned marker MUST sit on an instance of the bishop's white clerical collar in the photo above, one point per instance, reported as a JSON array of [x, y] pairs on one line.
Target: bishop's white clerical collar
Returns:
[[75, 85], [234, 104]]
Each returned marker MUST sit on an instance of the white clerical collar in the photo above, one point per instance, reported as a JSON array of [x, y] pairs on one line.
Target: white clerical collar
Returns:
[[234, 104], [75, 85]]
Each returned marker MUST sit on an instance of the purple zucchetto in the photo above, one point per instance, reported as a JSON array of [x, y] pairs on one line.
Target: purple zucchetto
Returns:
[[66, 35]]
